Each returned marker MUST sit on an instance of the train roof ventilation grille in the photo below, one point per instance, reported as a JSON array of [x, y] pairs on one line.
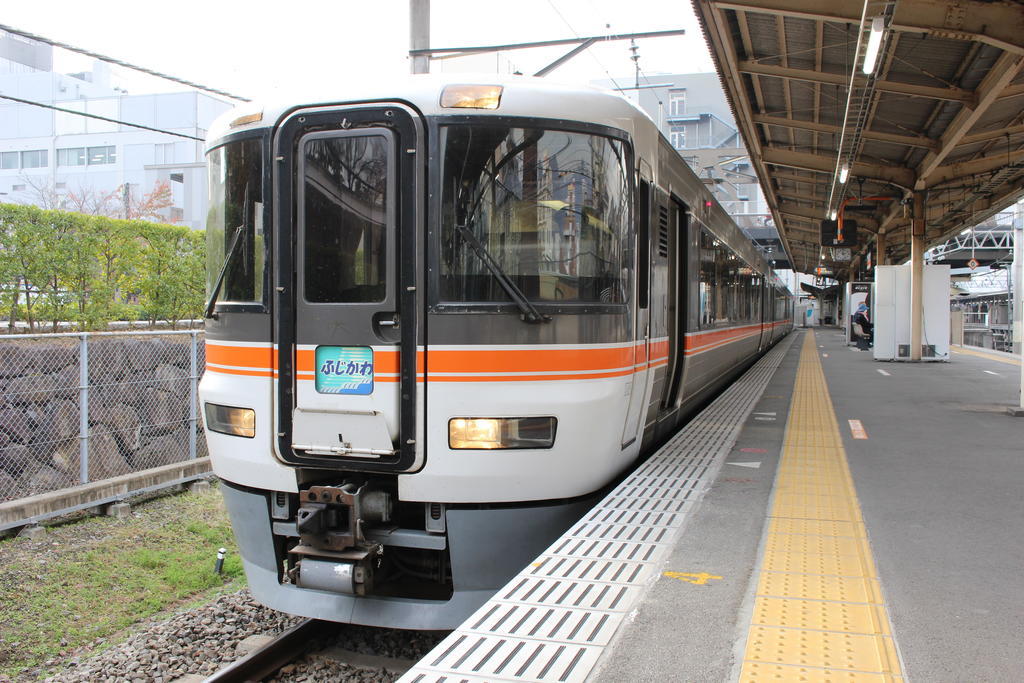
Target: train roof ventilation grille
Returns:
[[663, 231]]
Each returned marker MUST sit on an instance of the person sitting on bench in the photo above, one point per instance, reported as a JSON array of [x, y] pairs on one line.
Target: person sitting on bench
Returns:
[[860, 318]]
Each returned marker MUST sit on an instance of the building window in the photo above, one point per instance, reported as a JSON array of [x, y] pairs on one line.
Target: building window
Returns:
[[71, 156], [61, 186], [17, 188], [677, 102], [177, 214], [102, 155], [677, 136], [35, 158], [9, 160], [164, 153]]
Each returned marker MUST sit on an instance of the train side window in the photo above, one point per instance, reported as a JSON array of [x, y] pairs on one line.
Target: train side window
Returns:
[[710, 287], [644, 245]]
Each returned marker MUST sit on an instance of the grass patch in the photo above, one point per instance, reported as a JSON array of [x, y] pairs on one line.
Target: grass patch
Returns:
[[87, 581]]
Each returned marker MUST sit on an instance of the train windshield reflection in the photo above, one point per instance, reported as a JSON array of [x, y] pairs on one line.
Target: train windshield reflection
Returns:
[[550, 207], [236, 199]]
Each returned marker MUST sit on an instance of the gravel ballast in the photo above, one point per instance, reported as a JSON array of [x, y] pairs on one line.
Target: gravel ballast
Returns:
[[203, 640], [199, 641]]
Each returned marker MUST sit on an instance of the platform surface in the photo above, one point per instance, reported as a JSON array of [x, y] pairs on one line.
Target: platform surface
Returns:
[[917, 576]]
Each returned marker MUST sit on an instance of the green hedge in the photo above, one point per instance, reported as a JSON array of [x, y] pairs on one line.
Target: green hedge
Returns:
[[58, 266]]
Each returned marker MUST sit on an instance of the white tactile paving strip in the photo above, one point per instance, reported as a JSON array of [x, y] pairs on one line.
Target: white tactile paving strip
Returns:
[[554, 620]]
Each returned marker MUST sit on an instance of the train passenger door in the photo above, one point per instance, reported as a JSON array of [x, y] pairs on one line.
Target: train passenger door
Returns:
[[642, 319], [674, 243], [346, 282], [765, 313]]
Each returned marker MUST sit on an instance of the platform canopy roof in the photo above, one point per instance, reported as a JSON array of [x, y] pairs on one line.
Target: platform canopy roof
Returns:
[[941, 116]]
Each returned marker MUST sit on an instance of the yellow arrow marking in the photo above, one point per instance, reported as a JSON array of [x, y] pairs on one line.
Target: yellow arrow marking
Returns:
[[700, 579]]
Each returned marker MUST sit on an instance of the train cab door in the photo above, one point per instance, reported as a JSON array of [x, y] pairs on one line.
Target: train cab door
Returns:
[[346, 288]]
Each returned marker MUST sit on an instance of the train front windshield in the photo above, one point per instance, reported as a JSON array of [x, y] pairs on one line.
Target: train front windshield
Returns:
[[236, 201], [550, 208]]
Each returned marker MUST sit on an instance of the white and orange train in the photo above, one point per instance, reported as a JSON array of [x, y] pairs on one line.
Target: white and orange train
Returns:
[[445, 315]]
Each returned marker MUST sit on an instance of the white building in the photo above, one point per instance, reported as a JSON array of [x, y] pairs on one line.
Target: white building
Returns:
[[693, 113], [48, 156]]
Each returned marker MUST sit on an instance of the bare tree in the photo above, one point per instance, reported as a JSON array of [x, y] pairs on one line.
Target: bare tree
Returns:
[[43, 192], [125, 201], [89, 201]]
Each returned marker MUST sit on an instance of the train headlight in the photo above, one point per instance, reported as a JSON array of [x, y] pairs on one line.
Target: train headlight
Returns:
[[246, 119], [471, 96], [494, 433], [229, 420]]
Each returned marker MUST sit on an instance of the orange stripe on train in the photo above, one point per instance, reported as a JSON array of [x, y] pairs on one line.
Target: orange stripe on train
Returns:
[[526, 360], [564, 363], [262, 357]]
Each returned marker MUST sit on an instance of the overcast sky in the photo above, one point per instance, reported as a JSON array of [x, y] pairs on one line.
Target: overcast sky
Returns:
[[253, 50]]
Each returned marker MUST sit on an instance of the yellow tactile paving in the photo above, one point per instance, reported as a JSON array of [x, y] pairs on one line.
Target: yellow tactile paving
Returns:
[[818, 612], [802, 563], [817, 587], [815, 527], [818, 615], [804, 512], [758, 671], [827, 649], [811, 543]]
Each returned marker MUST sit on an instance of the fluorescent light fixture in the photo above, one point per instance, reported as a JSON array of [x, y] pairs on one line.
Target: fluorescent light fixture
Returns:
[[832, 216], [844, 173], [964, 232], [874, 42]]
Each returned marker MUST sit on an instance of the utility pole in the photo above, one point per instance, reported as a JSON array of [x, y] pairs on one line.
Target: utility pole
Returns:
[[917, 245], [1017, 292], [419, 35], [1018, 303], [636, 63]]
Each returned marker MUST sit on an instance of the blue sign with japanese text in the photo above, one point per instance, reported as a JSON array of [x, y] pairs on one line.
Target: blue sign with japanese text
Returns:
[[344, 370]]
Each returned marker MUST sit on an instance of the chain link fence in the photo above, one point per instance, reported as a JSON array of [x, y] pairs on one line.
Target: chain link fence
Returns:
[[79, 408]]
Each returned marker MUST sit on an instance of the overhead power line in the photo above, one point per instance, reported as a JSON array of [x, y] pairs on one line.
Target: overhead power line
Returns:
[[99, 118], [450, 52], [95, 55], [587, 42]]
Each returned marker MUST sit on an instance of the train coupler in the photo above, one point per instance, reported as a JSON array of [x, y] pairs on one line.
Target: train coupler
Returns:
[[335, 517]]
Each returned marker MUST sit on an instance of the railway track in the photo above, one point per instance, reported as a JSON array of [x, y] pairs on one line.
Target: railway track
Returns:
[[310, 638], [262, 662]]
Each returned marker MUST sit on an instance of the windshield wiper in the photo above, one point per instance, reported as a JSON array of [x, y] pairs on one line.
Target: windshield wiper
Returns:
[[235, 241], [530, 313], [229, 257]]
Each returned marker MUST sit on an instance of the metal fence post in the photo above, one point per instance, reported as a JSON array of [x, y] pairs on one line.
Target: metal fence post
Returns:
[[193, 396], [83, 409]]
